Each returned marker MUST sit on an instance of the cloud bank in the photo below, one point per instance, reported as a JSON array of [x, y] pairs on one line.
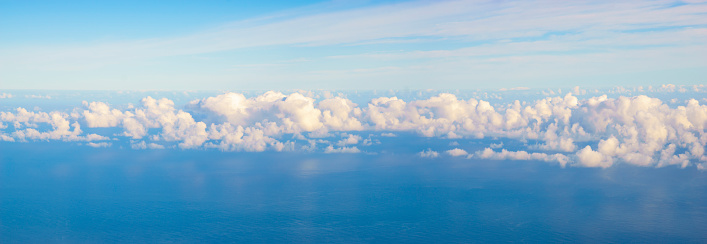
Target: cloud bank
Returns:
[[594, 132]]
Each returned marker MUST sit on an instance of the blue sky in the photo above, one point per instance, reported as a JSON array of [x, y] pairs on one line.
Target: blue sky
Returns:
[[234, 45], [587, 84], [353, 121]]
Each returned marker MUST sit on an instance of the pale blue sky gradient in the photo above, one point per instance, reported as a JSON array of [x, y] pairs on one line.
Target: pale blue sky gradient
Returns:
[[235, 45]]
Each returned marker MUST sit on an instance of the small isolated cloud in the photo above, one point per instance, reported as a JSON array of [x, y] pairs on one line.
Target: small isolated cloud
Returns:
[[456, 152], [388, 135], [98, 144], [350, 140], [331, 149], [143, 145], [428, 153], [154, 146], [5, 95], [504, 154], [496, 145]]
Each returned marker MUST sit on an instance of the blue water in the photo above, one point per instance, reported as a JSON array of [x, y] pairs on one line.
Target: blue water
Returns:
[[53, 192]]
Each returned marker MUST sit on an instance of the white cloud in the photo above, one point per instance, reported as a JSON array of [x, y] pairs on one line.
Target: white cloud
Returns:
[[4, 137], [496, 145], [100, 115], [340, 114], [504, 154], [590, 158], [350, 140], [520, 35], [456, 152], [428, 153], [331, 149], [5, 95], [248, 139], [636, 130], [144, 145], [99, 144], [292, 113], [61, 126], [478, 20]]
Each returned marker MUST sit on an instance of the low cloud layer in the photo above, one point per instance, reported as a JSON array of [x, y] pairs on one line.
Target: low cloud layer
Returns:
[[595, 132]]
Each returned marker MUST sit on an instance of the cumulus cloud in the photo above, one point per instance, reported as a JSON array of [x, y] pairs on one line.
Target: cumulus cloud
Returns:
[[638, 130], [332, 149], [24, 123], [590, 158], [4, 137], [99, 144], [349, 140], [428, 153], [292, 113], [100, 115], [496, 145], [504, 154], [633, 130], [144, 145], [5, 95], [456, 152]]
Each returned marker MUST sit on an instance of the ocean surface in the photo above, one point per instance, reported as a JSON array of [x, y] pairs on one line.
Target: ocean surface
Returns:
[[63, 193]]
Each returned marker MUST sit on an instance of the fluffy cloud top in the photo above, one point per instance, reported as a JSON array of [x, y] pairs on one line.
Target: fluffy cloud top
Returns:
[[292, 113], [24, 123], [637, 130], [456, 152]]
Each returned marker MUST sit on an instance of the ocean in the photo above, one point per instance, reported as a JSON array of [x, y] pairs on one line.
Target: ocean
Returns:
[[63, 193]]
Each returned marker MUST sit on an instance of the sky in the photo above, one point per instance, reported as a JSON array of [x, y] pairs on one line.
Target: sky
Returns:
[[353, 121], [580, 83], [277, 45]]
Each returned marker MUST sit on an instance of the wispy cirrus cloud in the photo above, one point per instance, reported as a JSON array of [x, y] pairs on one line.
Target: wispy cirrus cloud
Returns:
[[588, 37]]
